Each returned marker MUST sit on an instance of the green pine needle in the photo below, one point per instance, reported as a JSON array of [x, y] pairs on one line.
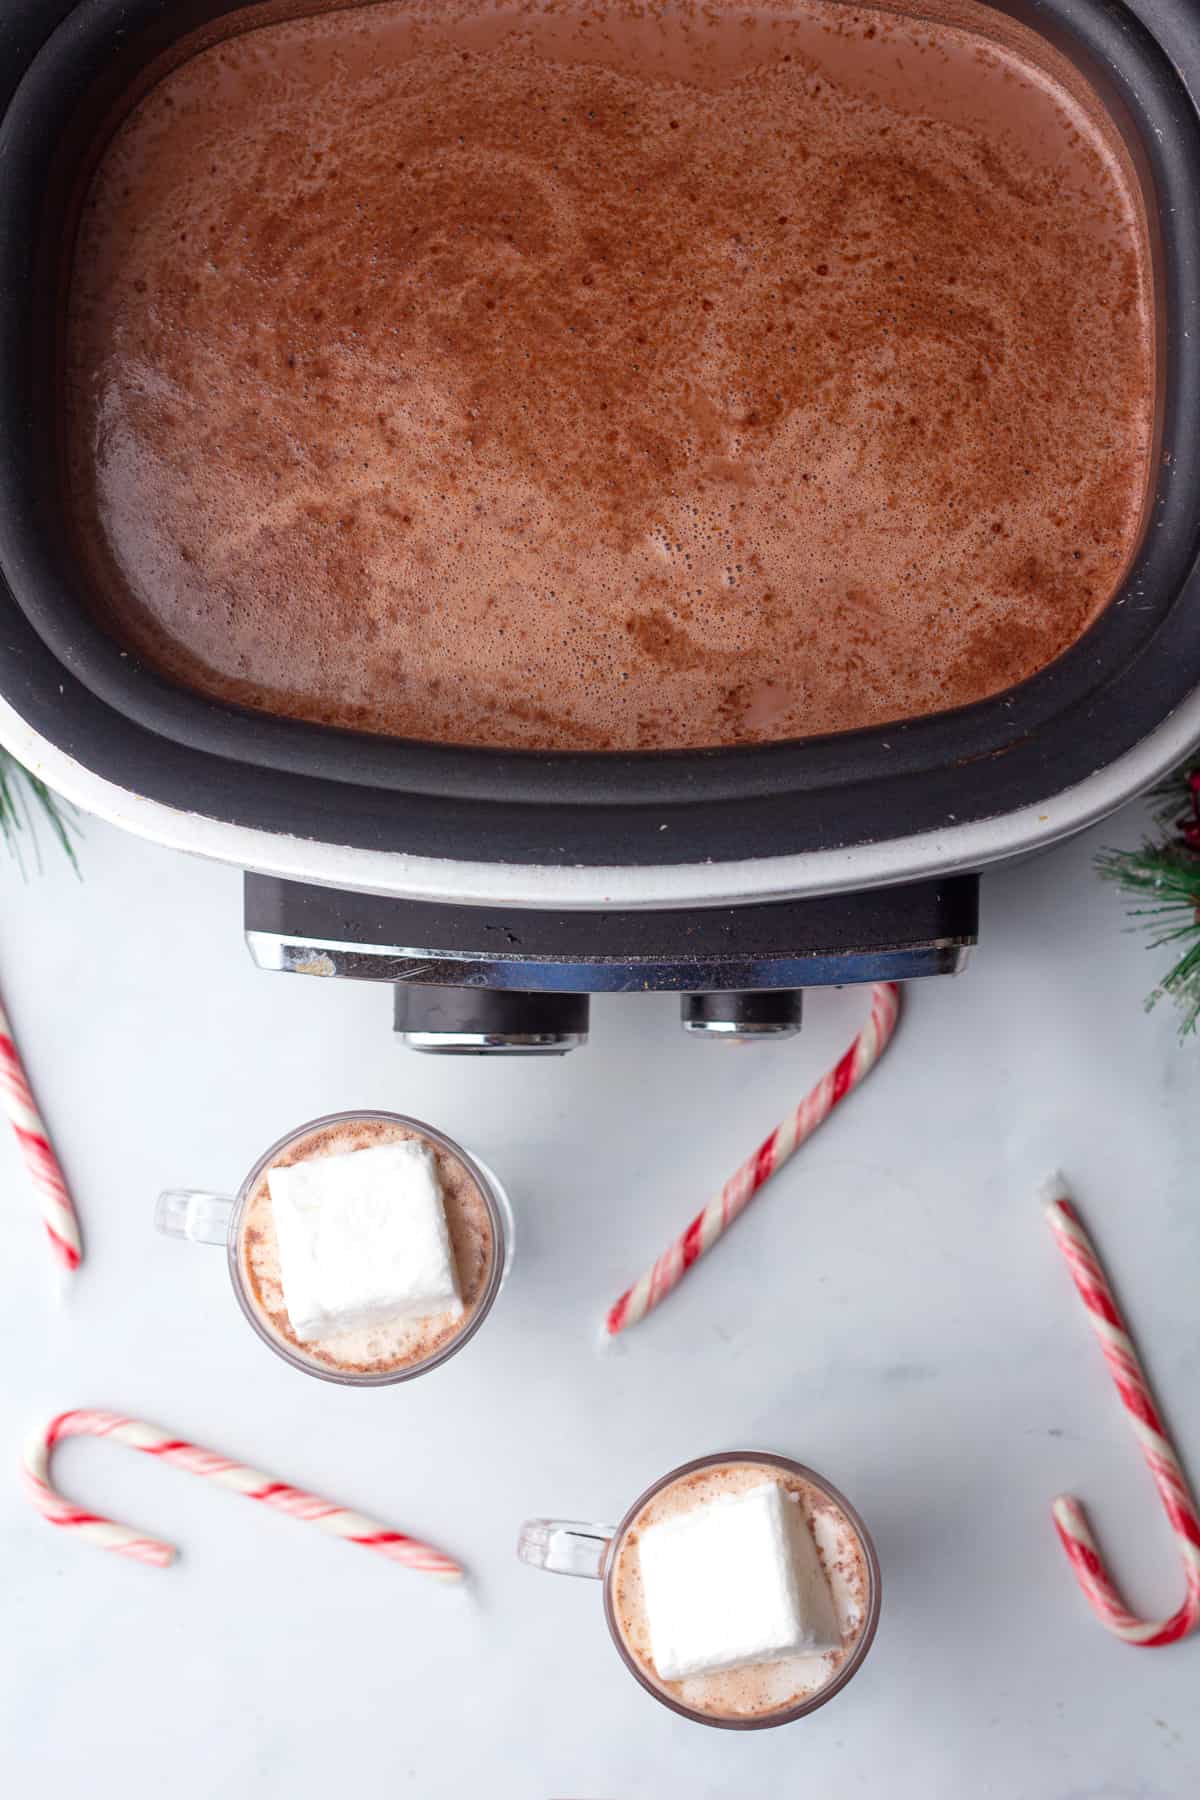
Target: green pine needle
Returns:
[[24, 801], [1165, 878], [1173, 796]]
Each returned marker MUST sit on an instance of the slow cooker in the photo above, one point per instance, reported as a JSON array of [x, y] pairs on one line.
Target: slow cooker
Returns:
[[496, 889]]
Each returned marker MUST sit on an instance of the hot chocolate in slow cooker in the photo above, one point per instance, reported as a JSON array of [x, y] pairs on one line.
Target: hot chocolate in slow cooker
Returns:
[[549, 380], [882, 570]]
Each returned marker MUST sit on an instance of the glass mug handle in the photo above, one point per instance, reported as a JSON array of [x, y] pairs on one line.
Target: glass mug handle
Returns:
[[565, 1546], [192, 1213]]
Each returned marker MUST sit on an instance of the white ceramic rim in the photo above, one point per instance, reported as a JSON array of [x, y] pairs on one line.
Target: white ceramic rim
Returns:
[[952, 848]]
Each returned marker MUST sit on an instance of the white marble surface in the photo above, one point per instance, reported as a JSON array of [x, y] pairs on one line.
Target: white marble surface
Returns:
[[891, 1311]]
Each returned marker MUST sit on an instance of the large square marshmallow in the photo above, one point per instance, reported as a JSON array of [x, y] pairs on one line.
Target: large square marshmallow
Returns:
[[734, 1582], [363, 1239]]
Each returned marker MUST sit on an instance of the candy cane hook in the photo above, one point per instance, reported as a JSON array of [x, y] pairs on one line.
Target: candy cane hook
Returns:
[[108, 1535], [1132, 1385]]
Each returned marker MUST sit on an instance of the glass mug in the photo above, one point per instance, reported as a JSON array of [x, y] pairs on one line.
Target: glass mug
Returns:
[[569, 1547], [207, 1218]]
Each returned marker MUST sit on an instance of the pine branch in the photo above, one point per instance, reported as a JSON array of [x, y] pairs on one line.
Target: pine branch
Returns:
[[1173, 796], [25, 800], [1166, 879]]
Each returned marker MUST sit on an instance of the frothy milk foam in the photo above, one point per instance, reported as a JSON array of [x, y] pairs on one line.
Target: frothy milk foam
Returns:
[[602, 376], [403, 1342], [764, 1687]]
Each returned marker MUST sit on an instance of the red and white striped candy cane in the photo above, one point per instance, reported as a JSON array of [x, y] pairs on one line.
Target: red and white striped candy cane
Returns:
[[1169, 1478], [337, 1520], [767, 1160], [58, 1214]]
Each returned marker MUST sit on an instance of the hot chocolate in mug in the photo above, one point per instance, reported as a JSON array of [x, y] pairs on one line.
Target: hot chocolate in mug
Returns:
[[713, 1571], [478, 1226]]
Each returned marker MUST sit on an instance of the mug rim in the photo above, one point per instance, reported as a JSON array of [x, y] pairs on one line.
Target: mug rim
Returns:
[[786, 1715], [495, 1200]]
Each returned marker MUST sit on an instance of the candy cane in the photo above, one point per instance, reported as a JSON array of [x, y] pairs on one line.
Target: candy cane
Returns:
[[1169, 1478], [767, 1160], [107, 1535], [58, 1214]]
